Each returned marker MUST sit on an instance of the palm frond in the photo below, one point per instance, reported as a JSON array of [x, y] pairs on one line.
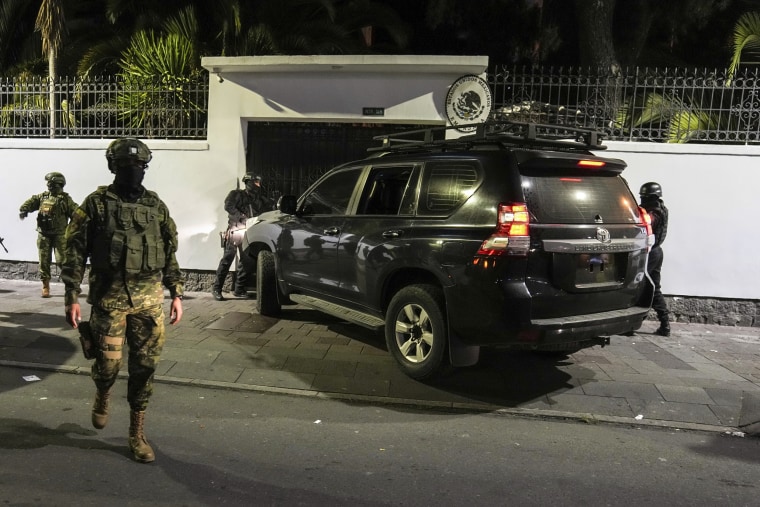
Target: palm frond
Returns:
[[746, 38], [103, 58], [184, 23], [150, 56], [157, 71], [687, 124], [51, 24]]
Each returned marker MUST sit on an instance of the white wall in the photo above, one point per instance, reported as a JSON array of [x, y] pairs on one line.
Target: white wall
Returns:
[[711, 194], [182, 172], [709, 190]]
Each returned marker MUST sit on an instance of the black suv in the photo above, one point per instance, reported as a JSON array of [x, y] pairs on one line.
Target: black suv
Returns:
[[514, 236]]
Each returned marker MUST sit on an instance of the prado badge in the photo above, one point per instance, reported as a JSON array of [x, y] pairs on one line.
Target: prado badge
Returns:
[[468, 102]]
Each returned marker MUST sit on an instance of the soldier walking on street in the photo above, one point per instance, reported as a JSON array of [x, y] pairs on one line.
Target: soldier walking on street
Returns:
[[131, 240], [651, 200], [54, 210], [240, 205]]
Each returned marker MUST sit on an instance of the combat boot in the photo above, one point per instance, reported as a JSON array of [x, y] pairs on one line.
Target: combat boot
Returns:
[[46, 288], [664, 329], [100, 409], [141, 449]]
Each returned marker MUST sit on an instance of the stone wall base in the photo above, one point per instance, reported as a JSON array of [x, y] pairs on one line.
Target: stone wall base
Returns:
[[720, 311], [195, 281], [696, 310]]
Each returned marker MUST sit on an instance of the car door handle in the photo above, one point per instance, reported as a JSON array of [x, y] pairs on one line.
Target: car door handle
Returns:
[[332, 231], [392, 234]]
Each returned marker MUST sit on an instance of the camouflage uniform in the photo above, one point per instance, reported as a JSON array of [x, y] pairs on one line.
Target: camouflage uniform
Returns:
[[131, 246], [54, 213]]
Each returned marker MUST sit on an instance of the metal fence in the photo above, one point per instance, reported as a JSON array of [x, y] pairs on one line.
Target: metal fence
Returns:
[[659, 105], [104, 107]]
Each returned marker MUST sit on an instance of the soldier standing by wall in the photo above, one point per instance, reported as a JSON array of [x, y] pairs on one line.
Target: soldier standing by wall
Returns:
[[651, 200], [55, 208], [240, 205], [131, 241]]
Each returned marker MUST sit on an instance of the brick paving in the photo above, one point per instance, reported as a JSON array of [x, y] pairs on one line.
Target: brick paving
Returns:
[[703, 377]]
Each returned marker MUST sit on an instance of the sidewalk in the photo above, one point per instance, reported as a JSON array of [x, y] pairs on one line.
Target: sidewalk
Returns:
[[701, 377]]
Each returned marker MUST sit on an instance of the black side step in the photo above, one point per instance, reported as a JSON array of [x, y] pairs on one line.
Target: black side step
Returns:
[[349, 314]]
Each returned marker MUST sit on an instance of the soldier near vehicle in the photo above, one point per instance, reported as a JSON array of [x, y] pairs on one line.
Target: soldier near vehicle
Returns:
[[651, 200], [130, 239], [240, 205], [54, 210]]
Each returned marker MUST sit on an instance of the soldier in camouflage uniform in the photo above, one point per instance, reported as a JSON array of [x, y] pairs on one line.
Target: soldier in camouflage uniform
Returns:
[[55, 208], [130, 240]]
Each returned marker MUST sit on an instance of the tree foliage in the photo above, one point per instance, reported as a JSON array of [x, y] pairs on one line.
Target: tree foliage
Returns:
[[746, 42], [607, 33]]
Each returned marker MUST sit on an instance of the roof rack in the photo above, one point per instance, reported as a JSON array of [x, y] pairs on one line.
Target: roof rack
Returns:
[[507, 133]]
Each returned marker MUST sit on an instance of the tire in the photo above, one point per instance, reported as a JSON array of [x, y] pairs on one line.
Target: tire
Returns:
[[416, 332], [266, 285]]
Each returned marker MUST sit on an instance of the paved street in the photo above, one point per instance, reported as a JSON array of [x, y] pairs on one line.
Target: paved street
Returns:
[[702, 377]]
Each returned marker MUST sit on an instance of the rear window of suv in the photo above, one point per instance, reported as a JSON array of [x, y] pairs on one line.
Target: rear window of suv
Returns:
[[579, 199]]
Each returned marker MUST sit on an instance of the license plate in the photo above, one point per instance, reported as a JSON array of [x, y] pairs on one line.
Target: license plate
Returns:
[[595, 269]]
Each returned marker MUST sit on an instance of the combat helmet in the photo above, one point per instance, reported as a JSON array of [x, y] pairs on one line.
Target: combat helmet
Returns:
[[650, 189], [128, 148], [55, 178]]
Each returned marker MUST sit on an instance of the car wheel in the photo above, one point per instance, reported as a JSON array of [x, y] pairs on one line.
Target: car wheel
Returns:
[[266, 285], [416, 331]]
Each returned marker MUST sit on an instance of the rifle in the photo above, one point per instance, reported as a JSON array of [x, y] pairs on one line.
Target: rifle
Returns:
[[3, 245]]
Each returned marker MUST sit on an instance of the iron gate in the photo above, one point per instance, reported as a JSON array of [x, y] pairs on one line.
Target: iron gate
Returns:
[[291, 156]]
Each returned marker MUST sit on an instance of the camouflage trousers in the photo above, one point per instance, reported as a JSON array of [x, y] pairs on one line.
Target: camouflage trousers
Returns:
[[45, 246], [143, 332]]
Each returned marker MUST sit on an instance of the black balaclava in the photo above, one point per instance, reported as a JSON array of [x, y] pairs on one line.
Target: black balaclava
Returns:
[[251, 186], [649, 199], [128, 179], [55, 188]]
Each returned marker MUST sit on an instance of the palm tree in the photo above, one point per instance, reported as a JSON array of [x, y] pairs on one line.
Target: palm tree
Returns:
[[51, 25], [158, 69]]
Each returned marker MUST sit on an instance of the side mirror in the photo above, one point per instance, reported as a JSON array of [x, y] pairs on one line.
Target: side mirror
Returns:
[[288, 204]]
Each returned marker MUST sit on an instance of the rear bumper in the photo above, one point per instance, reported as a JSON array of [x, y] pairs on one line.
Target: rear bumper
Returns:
[[584, 327], [553, 333]]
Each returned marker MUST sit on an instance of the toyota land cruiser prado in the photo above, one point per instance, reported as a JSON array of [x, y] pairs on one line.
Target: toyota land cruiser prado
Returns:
[[516, 236]]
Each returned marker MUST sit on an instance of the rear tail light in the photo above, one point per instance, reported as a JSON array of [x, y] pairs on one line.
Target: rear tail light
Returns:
[[647, 221], [512, 235]]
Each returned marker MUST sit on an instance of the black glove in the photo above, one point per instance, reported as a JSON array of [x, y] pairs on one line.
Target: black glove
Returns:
[[23, 215]]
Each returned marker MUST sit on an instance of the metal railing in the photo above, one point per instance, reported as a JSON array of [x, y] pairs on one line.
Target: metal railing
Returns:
[[104, 107], [661, 105]]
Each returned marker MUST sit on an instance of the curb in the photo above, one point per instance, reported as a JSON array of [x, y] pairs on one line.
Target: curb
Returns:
[[587, 418]]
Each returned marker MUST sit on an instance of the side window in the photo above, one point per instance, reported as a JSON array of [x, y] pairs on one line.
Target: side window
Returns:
[[388, 191], [446, 185], [332, 195]]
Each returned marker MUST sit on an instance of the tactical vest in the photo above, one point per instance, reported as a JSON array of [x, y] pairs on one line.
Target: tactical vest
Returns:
[[127, 237], [661, 227], [48, 215]]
